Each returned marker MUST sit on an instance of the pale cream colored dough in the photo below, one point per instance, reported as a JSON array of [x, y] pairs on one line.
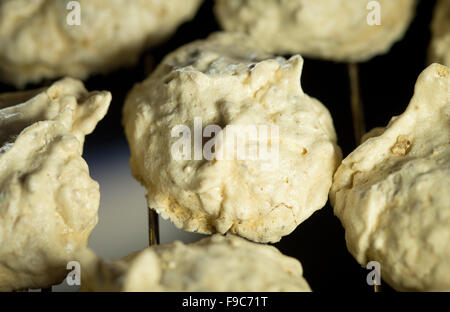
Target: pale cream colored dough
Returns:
[[226, 81], [392, 193], [440, 43], [329, 29], [48, 202], [218, 263], [36, 42]]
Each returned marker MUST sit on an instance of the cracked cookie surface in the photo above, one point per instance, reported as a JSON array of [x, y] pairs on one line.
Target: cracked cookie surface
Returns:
[[48, 201], [392, 193], [226, 81]]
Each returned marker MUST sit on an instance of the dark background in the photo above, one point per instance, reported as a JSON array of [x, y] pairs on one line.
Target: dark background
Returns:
[[387, 84]]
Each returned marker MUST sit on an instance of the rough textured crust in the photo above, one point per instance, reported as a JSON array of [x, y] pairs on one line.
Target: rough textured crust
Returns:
[[392, 193], [218, 263], [329, 29], [227, 81], [440, 27], [36, 42], [48, 202]]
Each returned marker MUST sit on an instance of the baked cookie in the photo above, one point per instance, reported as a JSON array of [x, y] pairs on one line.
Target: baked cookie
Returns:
[[41, 39], [237, 99], [217, 263], [48, 202], [338, 30], [392, 193], [440, 28]]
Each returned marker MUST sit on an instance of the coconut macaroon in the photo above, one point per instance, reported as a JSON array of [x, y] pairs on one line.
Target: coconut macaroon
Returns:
[[242, 100], [48, 202], [440, 27], [218, 263], [53, 38], [338, 30], [392, 193]]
